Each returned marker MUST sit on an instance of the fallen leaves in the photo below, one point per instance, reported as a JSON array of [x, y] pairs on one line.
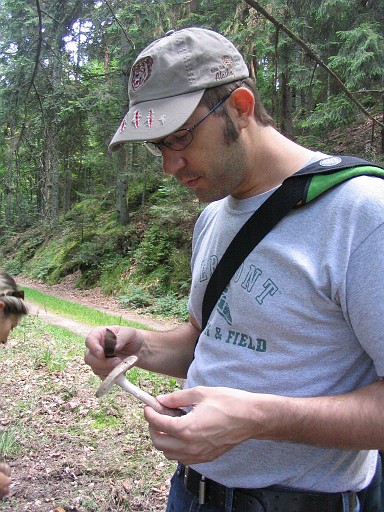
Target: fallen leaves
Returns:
[[75, 453]]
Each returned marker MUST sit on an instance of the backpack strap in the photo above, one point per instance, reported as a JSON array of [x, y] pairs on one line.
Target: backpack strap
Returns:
[[296, 191], [286, 197], [331, 171], [320, 183]]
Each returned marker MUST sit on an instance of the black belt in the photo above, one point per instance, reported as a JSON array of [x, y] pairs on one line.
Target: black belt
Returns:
[[263, 500]]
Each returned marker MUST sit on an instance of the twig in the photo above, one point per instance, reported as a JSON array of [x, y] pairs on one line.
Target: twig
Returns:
[[313, 56], [120, 25]]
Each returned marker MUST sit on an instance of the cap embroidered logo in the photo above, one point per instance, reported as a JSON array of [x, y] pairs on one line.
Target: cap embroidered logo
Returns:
[[136, 118], [141, 72], [225, 70]]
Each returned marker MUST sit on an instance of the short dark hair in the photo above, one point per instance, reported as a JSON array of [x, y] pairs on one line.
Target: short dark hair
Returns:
[[213, 95]]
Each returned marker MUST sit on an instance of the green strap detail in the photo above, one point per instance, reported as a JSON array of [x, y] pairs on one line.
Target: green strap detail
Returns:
[[322, 182]]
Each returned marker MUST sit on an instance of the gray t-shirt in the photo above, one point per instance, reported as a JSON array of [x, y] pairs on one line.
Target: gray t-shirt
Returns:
[[303, 316]]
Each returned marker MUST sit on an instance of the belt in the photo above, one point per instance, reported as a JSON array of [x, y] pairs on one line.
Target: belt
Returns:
[[263, 500]]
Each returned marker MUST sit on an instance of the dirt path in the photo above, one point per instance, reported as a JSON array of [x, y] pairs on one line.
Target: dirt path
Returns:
[[93, 298]]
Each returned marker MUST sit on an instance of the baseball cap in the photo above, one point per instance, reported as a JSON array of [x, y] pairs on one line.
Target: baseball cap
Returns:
[[168, 80]]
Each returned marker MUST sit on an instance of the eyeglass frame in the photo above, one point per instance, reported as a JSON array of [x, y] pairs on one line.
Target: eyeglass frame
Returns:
[[154, 147], [19, 294]]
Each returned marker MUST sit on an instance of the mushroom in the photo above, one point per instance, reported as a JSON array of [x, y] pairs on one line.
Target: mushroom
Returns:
[[117, 376], [109, 343]]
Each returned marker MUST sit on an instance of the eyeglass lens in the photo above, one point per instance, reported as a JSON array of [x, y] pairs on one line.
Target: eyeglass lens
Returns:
[[176, 141], [181, 139], [16, 293]]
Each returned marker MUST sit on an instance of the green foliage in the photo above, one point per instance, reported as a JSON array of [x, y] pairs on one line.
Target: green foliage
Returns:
[[135, 297], [153, 250], [360, 57], [48, 359], [164, 251], [337, 111], [163, 304], [13, 267], [104, 420], [139, 262], [170, 305]]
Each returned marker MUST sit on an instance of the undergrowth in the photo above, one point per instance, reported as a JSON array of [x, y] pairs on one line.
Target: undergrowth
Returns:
[[145, 263]]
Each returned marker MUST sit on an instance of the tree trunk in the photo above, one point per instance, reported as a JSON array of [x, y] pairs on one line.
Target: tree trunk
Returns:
[[286, 89], [67, 185], [286, 107], [124, 155], [122, 212], [382, 131], [9, 185]]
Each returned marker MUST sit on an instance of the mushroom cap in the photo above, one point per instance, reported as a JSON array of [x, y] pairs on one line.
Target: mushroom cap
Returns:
[[120, 369]]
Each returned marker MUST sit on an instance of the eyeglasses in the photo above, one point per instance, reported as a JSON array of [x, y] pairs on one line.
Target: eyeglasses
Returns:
[[17, 293], [181, 139]]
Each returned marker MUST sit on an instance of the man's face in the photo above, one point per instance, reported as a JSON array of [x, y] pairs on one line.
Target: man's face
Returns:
[[211, 167], [7, 323]]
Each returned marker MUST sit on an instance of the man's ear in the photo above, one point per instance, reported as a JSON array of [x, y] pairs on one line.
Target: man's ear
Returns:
[[2, 305], [243, 101]]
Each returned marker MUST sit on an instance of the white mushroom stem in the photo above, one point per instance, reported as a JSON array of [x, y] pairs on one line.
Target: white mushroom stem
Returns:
[[146, 397], [137, 392], [117, 376]]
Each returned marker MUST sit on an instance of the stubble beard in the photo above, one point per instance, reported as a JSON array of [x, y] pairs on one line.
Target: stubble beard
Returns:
[[227, 174]]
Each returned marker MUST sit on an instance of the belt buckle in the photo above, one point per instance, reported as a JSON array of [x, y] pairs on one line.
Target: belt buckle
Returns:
[[186, 473], [202, 485], [202, 489]]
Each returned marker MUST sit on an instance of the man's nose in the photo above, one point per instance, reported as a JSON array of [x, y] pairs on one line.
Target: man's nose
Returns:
[[173, 161]]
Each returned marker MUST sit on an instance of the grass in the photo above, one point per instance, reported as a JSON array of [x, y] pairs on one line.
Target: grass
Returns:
[[66, 448], [76, 311], [8, 443]]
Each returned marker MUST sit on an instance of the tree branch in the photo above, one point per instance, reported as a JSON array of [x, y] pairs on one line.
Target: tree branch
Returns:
[[38, 51], [313, 56], [120, 25], [34, 73]]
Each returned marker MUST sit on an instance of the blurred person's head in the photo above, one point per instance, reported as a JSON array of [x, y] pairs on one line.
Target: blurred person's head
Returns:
[[12, 305]]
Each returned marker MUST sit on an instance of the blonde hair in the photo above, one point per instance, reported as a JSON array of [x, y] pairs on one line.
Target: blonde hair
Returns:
[[11, 296]]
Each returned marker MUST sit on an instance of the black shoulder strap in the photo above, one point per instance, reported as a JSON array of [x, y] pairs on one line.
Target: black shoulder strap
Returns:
[[297, 190], [331, 164], [250, 234], [323, 179]]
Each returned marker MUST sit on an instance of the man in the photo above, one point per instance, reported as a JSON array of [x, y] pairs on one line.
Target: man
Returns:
[[283, 391]]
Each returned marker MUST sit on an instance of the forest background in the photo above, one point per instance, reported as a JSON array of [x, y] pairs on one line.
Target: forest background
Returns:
[[70, 207]]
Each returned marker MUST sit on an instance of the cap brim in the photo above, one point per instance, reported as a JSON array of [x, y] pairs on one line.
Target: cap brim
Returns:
[[155, 119]]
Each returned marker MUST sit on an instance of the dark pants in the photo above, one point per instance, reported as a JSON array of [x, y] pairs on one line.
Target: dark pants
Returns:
[[371, 499]]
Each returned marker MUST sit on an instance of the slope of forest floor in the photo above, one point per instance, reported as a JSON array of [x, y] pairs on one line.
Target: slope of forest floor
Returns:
[[358, 139]]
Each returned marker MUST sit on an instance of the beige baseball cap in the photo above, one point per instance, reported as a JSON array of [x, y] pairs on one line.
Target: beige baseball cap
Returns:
[[168, 80]]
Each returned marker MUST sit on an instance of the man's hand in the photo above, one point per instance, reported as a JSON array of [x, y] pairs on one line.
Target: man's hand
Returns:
[[221, 418], [5, 481], [218, 421], [167, 352], [128, 343]]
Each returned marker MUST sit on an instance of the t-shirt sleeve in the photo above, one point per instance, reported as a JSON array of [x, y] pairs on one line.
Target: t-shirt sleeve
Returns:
[[365, 296]]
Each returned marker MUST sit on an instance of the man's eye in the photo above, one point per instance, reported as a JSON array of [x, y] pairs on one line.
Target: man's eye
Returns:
[[167, 143], [180, 136]]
